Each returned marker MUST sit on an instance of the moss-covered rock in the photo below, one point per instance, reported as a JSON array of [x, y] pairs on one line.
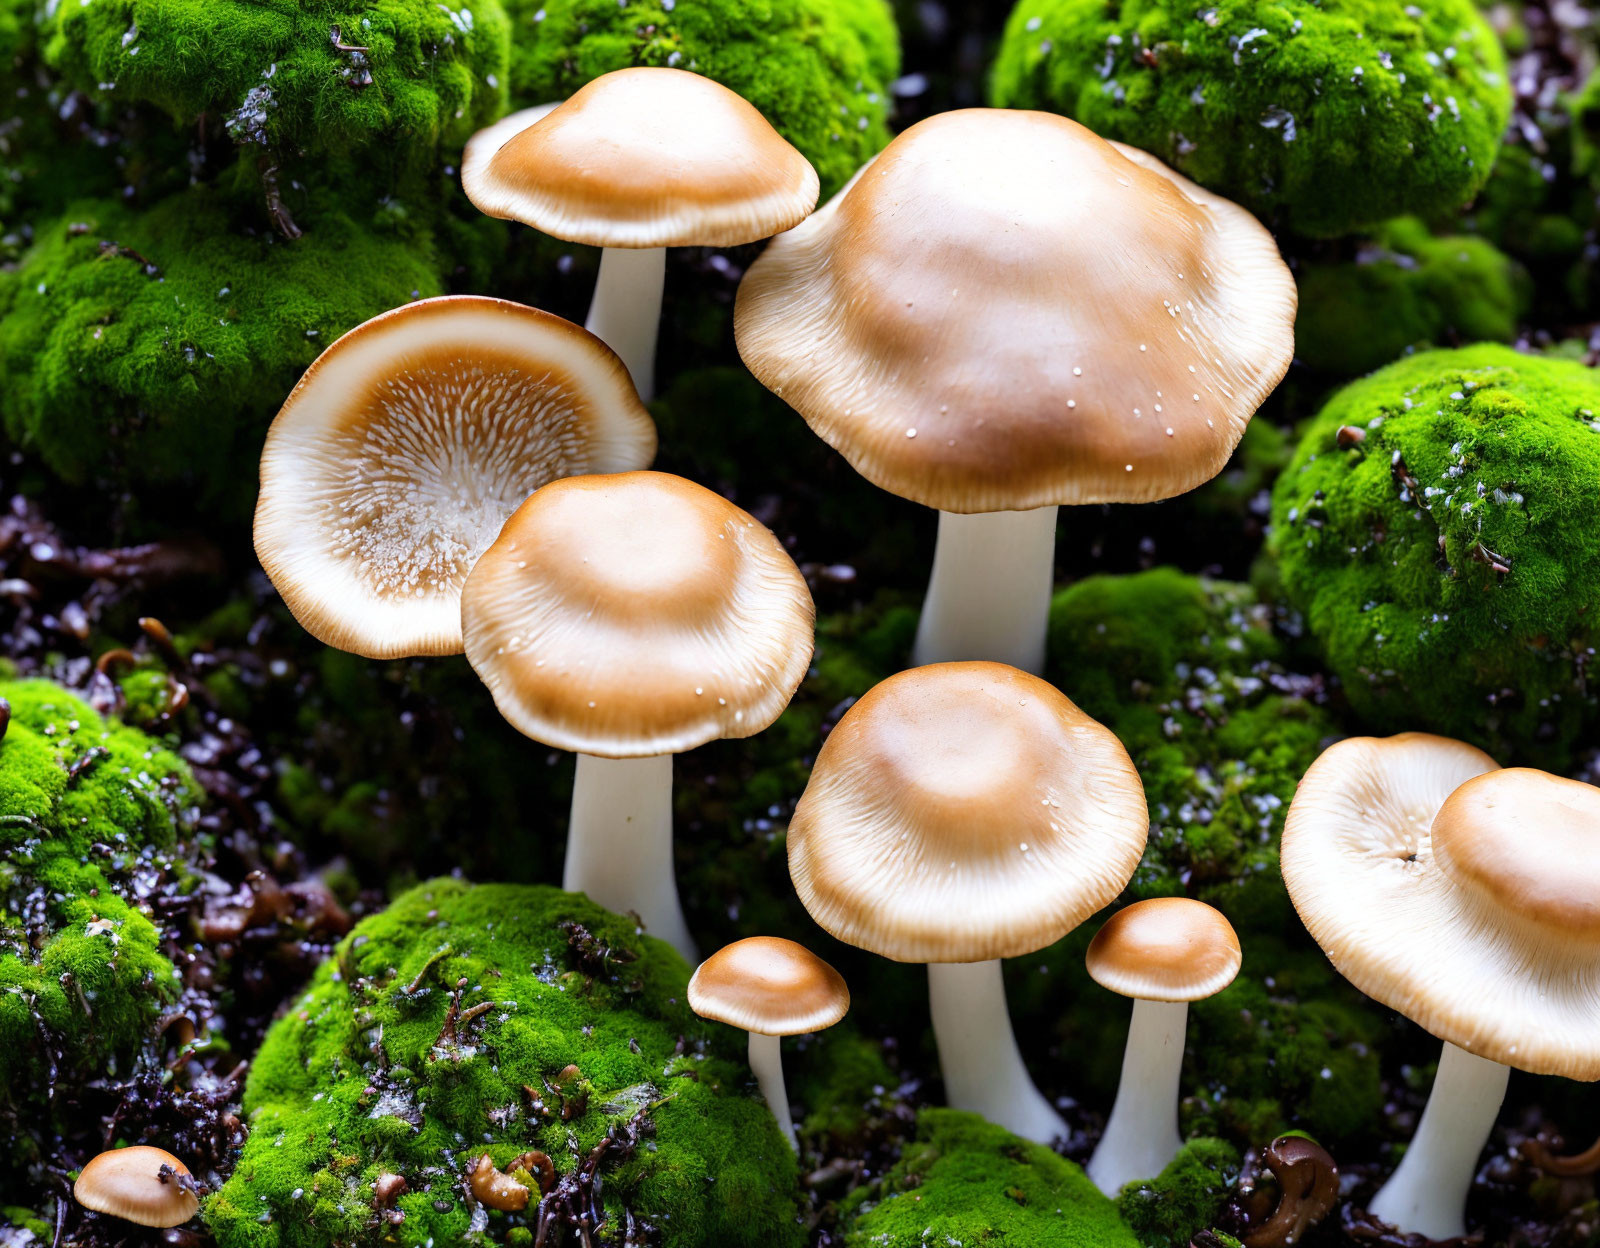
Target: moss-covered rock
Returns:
[[153, 346], [966, 1181], [1329, 116], [1405, 288], [819, 70], [1449, 564], [92, 815], [1169, 1210], [498, 1019]]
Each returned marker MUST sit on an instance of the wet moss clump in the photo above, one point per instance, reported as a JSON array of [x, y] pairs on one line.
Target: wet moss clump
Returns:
[[966, 1181], [819, 70], [151, 347], [1448, 564], [1405, 288], [1169, 1210], [1326, 117], [94, 817], [503, 1020]]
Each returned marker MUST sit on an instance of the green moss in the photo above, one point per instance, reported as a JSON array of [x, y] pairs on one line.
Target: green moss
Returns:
[[151, 347], [1330, 116], [1406, 288], [819, 70], [364, 1075], [966, 1181], [90, 812], [1167, 1211], [1449, 566]]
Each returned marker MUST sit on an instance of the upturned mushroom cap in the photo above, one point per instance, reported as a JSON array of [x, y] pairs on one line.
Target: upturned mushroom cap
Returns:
[[1165, 949], [395, 460], [643, 157], [128, 1183], [634, 615], [965, 811], [770, 986], [1463, 896], [1003, 311]]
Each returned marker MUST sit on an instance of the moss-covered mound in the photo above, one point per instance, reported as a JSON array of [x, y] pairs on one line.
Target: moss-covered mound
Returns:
[[819, 70], [500, 1020], [1185, 1198], [92, 816], [966, 1181], [384, 83], [1405, 288], [1330, 116], [1449, 564], [153, 346]]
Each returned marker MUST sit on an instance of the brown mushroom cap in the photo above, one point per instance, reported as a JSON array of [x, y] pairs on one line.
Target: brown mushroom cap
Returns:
[[1463, 896], [1165, 949], [645, 157], [962, 812], [770, 986], [128, 1183], [636, 614], [404, 447], [1003, 311]]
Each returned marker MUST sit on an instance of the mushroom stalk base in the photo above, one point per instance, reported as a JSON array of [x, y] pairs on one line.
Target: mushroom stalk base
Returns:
[[625, 312], [1427, 1194], [619, 843], [766, 1060], [989, 592], [1142, 1133], [983, 1070]]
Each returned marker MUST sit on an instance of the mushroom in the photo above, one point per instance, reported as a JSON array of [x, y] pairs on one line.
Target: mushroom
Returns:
[[1164, 953], [1468, 899], [637, 161], [1003, 313], [628, 618], [959, 814], [139, 1184], [404, 447], [770, 987]]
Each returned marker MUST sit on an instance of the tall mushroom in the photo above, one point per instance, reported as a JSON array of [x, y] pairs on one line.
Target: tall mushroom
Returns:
[[959, 814], [1164, 953], [1468, 899], [395, 460], [770, 987], [637, 161], [628, 618], [1003, 313]]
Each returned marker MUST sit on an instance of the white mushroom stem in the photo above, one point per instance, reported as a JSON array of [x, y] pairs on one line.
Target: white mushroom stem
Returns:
[[983, 1070], [766, 1060], [1427, 1194], [619, 843], [1142, 1133], [625, 312], [989, 593]]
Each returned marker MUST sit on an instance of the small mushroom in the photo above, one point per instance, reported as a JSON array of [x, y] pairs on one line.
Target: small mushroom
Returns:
[[959, 814], [143, 1185], [1308, 1187], [1467, 898], [628, 618], [637, 161], [770, 987], [1004, 313], [1164, 953], [493, 1187]]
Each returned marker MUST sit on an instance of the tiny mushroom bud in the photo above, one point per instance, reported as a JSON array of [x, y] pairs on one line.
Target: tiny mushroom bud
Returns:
[[143, 1185], [1467, 898], [770, 987], [1003, 313], [628, 618], [1350, 436], [1308, 1187], [1164, 953], [639, 160], [492, 1187], [958, 814]]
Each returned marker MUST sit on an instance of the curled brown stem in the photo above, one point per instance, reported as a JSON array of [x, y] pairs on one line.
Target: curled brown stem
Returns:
[[1570, 1166], [1308, 1180]]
